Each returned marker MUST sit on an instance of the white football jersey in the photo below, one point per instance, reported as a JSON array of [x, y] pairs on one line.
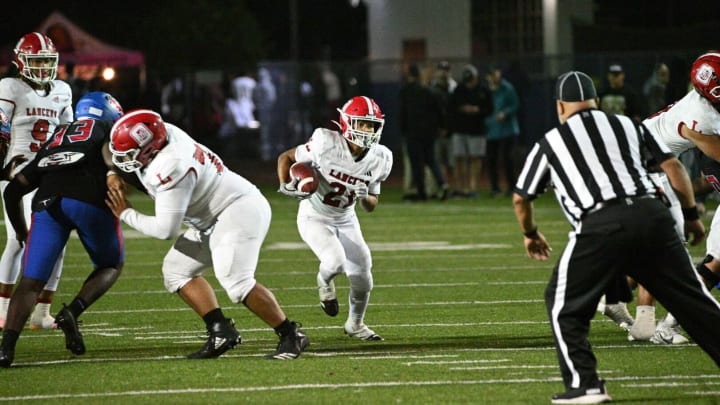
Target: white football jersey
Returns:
[[340, 172], [694, 111], [33, 114], [216, 185]]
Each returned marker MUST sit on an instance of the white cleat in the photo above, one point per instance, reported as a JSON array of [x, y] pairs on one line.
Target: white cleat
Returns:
[[668, 335], [361, 332], [619, 314], [46, 322], [41, 318]]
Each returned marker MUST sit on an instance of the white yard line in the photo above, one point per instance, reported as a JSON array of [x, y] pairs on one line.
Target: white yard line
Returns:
[[369, 384]]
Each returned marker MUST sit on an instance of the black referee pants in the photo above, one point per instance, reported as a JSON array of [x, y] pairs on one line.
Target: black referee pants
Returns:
[[638, 239]]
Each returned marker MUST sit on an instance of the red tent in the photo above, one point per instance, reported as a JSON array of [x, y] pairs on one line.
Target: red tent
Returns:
[[77, 46]]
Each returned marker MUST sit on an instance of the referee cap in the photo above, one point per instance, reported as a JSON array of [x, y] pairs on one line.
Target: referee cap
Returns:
[[574, 86]]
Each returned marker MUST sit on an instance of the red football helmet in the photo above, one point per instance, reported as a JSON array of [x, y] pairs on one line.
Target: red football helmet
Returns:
[[355, 116], [136, 138], [704, 76], [36, 58]]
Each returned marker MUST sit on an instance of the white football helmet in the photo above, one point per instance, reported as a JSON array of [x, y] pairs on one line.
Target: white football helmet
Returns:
[[36, 58]]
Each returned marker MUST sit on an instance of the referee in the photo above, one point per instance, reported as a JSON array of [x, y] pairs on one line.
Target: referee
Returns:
[[595, 163]]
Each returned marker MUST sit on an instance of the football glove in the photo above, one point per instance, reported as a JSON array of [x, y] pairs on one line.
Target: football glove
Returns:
[[290, 190], [361, 191]]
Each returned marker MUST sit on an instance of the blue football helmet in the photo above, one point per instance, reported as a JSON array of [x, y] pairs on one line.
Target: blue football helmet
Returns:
[[98, 105]]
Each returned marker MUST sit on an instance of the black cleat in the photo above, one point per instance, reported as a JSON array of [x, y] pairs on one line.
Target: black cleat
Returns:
[[586, 395], [330, 307], [6, 357], [73, 338], [328, 298], [222, 336], [290, 346]]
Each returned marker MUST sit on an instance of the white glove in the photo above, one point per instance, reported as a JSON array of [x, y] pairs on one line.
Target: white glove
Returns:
[[290, 190], [361, 191]]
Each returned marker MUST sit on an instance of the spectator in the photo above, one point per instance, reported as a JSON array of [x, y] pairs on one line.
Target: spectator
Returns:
[[469, 105], [174, 101], [618, 98], [239, 130], [502, 130], [243, 88], [422, 117], [265, 96], [655, 88], [333, 90], [444, 84]]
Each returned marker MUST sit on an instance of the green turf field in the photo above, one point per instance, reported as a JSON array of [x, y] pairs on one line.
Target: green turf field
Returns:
[[459, 304]]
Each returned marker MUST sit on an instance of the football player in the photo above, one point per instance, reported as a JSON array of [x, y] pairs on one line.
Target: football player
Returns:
[[35, 104], [228, 220], [69, 173], [352, 165], [693, 121], [709, 268]]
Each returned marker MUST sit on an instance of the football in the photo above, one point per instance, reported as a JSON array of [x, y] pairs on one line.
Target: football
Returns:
[[308, 177]]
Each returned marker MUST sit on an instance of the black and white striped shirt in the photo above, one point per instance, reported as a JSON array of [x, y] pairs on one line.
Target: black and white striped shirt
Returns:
[[593, 157]]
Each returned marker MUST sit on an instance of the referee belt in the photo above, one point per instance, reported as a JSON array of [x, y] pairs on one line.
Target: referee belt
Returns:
[[617, 201]]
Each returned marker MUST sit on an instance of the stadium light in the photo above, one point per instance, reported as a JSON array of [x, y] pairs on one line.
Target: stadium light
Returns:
[[108, 73]]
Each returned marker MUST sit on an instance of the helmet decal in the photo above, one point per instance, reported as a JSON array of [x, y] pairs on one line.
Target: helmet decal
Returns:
[[140, 134]]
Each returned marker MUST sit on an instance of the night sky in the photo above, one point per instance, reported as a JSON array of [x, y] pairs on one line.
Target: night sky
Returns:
[[327, 28], [235, 32]]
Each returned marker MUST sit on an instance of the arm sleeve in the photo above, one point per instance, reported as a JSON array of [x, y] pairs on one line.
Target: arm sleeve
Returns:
[[170, 208]]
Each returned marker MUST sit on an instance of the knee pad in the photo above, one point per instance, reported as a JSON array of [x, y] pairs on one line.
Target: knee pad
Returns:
[[174, 282], [175, 271], [239, 289]]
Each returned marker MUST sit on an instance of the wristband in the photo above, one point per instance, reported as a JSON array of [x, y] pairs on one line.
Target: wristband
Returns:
[[531, 233], [690, 214], [110, 173]]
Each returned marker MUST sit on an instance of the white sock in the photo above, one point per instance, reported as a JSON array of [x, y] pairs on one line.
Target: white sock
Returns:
[[644, 326], [645, 311], [4, 304], [41, 311], [358, 306]]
